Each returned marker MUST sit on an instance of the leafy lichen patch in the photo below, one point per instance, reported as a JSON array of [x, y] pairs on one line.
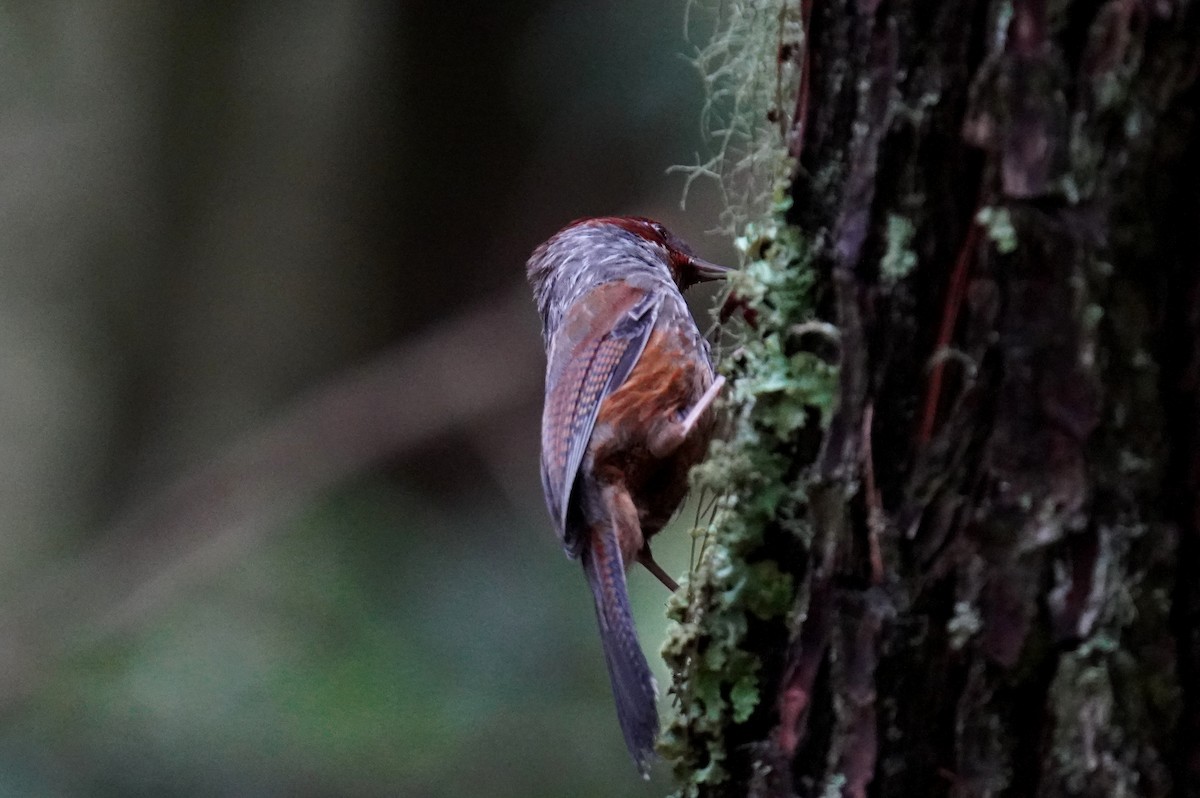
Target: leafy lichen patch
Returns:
[[775, 393]]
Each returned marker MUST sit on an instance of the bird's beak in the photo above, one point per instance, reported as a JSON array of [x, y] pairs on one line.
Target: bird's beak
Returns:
[[704, 270]]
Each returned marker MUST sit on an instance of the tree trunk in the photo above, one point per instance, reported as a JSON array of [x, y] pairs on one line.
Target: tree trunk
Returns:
[[957, 535]]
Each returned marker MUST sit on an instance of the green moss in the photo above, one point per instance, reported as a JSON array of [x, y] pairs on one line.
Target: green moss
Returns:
[[777, 389], [774, 393], [965, 624], [1086, 731], [744, 698], [833, 786], [998, 224], [899, 258]]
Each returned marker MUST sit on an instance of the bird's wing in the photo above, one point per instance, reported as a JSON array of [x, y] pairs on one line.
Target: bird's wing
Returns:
[[600, 339]]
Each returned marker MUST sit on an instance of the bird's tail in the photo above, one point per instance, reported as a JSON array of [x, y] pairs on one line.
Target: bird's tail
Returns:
[[632, 684]]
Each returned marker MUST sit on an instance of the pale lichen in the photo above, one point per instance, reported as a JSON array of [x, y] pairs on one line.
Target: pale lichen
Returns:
[[963, 625], [998, 224], [750, 66], [898, 259]]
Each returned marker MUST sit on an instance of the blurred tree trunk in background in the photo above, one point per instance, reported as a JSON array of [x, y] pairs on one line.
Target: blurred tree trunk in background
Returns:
[[187, 209], [988, 533]]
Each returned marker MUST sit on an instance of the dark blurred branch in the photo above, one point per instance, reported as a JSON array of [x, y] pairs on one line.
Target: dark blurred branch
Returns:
[[470, 368]]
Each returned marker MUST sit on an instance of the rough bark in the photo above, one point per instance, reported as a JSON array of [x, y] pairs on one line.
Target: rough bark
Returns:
[[989, 533]]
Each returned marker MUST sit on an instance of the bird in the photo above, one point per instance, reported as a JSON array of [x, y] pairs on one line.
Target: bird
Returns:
[[629, 409]]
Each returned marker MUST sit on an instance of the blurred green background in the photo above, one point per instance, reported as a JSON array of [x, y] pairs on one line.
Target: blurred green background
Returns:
[[270, 385]]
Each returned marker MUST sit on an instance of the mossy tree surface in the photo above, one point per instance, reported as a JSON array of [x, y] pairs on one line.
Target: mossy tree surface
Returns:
[[957, 541]]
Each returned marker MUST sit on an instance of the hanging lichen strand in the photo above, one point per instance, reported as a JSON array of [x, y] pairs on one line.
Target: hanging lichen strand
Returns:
[[751, 69]]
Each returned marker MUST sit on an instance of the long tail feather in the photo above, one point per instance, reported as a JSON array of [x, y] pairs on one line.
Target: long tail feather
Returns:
[[632, 683]]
